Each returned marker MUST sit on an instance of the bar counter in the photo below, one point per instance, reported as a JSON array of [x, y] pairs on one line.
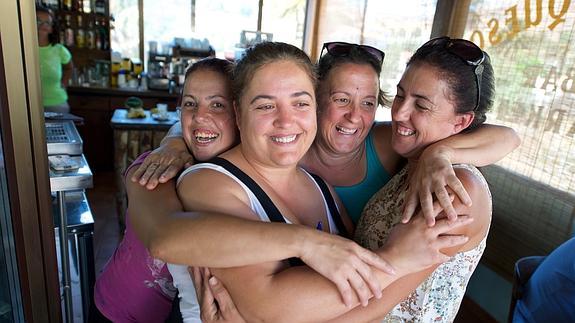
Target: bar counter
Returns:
[[96, 105], [123, 92]]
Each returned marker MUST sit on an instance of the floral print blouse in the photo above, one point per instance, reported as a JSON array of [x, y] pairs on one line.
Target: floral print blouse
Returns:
[[436, 299]]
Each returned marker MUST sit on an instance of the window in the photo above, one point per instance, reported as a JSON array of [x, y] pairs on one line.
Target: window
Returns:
[[125, 35], [531, 46], [223, 21], [220, 22], [285, 20]]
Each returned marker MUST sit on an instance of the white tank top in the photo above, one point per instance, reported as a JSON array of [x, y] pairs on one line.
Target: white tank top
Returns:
[[189, 306]]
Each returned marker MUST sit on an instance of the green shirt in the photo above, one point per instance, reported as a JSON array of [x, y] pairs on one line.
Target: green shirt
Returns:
[[52, 57]]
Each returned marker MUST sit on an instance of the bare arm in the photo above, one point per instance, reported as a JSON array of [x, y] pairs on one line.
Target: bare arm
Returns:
[[482, 146], [149, 210], [67, 73]]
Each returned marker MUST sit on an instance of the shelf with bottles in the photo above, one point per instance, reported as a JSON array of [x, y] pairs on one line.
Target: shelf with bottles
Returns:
[[98, 7], [81, 30]]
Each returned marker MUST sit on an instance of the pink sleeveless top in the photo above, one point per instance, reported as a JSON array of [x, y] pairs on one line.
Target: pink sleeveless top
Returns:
[[133, 286]]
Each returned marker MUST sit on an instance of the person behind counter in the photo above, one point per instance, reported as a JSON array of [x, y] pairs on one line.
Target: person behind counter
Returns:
[[55, 63]]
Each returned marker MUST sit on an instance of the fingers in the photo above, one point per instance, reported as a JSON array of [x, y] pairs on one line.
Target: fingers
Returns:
[[426, 201], [225, 303], [455, 184], [369, 277], [372, 259], [443, 226], [153, 180], [208, 307], [448, 241], [170, 172], [361, 289], [445, 201], [410, 206], [197, 279], [345, 291], [139, 172]]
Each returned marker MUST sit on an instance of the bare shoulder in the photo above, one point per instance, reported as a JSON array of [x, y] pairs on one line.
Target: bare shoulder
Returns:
[[381, 136], [481, 208], [134, 188], [206, 189], [474, 183]]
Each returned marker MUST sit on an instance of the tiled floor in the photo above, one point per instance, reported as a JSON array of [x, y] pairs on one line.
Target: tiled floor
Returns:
[[107, 236]]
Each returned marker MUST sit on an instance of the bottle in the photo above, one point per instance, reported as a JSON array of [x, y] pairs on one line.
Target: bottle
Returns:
[[67, 5], [87, 6], [62, 36], [100, 7], [80, 35], [104, 36], [114, 74], [90, 36], [97, 35], [68, 33]]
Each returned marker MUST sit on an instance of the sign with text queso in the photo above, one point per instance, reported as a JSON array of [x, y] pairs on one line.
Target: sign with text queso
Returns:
[[531, 43]]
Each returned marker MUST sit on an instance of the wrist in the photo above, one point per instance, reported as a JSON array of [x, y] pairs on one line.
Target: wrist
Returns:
[[305, 240], [175, 142], [439, 151], [393, 257]]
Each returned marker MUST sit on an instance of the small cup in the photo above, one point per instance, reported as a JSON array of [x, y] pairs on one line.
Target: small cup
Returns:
[[162, 110]]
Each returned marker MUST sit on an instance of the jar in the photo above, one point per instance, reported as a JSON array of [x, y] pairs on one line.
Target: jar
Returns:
[[138, 68], [126, 64]]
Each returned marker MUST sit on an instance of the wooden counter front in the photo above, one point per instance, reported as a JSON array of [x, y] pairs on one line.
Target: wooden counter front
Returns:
[[132, 137]]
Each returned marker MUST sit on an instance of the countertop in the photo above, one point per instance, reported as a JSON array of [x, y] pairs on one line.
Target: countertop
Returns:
[[120, 121], [120, 92]]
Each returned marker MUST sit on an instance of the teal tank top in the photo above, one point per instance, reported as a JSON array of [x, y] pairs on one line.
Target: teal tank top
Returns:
[[355, 197]]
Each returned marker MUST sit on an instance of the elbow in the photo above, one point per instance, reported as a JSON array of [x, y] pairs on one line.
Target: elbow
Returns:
[[158, 248], [263, 306], [514, 139], [266, 314]]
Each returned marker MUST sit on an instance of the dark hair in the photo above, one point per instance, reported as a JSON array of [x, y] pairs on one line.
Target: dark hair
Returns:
[[213, 64], [53, 37], [460, 78], [328, 62], [264, 53], [218, 65]]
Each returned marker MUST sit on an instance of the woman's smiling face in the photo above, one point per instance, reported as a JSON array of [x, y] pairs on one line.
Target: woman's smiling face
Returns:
[[208, 122], [277, 114], [348, 102], [422, 112]]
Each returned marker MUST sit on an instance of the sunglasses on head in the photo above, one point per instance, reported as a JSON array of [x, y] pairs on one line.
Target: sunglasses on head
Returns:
[[338, 49], [468, 52]]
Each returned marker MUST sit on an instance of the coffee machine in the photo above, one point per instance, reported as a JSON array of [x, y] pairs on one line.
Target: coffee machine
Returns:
[[159, 71]]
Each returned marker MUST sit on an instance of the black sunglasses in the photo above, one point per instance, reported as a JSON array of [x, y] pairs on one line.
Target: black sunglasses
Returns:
[[338, 49], [468, 52]]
